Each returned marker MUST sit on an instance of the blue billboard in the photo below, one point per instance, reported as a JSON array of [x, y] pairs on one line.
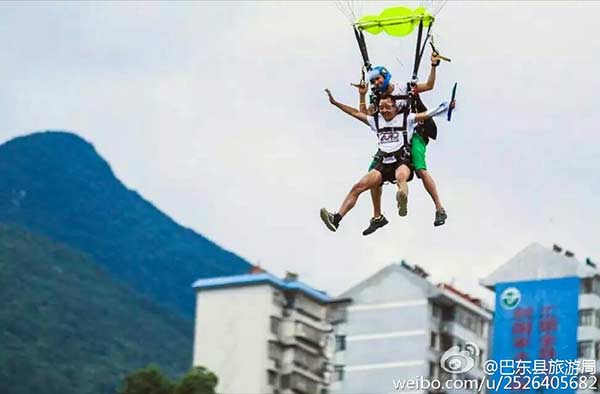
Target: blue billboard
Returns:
[[534, 343]]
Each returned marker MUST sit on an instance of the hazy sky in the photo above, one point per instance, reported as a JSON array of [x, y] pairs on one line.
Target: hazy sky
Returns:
[[216, 113]]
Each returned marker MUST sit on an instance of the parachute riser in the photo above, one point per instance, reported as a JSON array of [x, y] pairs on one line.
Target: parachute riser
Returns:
[[419, 50], [362, 46]]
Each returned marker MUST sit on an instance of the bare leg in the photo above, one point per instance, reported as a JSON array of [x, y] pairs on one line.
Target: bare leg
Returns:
[[370, 180], [429, 185], [402, 174], [376, 198]]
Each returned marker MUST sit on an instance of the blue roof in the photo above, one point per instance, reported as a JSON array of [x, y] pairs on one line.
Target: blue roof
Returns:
[[264, 277]]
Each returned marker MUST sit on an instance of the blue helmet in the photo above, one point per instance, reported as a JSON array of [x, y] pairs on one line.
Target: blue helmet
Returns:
[[380, 70]]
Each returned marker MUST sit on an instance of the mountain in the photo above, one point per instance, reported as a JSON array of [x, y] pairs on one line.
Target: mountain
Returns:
[[67, 327], [56, 184]]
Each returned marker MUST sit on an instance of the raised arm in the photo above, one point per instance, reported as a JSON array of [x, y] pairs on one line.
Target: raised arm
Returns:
[[440, 109], [424, 87], [347, 109], [363, 88]]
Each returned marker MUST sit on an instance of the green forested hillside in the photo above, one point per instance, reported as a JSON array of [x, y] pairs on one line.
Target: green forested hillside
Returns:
[[56, 184], [67, 327]]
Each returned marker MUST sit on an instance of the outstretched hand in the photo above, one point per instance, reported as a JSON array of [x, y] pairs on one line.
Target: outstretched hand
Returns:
[[363, 88], [331, 99]]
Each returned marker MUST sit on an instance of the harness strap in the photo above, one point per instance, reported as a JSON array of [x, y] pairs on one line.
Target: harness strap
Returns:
[[397, 154], [376, 113], [402, 129], [405, 132], [392, 129]]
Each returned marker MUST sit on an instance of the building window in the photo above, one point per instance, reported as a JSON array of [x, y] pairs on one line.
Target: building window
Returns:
[[272, 378], [338, 373], [285, 381], [275, 323], [340, 343], [436, 311], [433, 370], [448, 313], [469, 320], [433, 339], [444, 376], [590, 285], [596, 285], [445, 342], [586, 317], [585, 350], [484, 329], [275, 351]]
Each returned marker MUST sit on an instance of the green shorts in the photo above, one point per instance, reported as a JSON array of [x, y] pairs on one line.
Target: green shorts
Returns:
[[417, 151]]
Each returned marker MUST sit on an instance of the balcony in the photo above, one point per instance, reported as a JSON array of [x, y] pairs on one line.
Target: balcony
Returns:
[[310, 334], [310, 362], [299, 383], [275, 354], [310, 308], [337, 314]]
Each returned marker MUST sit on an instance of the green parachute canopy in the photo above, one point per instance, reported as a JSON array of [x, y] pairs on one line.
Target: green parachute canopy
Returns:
[[395, 21]]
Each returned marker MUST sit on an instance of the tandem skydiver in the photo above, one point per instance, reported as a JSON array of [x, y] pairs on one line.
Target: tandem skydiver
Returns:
[[394, 130], [380, 79]]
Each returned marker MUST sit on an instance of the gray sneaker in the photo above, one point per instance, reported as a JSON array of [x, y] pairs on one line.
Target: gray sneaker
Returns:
[[402, 199], [329, 220], [440, 217]]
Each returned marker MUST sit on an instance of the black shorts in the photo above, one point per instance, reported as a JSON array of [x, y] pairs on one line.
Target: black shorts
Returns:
[[388, 171]]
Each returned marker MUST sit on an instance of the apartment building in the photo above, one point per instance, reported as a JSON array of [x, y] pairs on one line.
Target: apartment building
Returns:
[[262, 334], [398, 327]]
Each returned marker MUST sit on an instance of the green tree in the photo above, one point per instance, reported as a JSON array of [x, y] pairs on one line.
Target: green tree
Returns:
[[149, 380], [198, 380]]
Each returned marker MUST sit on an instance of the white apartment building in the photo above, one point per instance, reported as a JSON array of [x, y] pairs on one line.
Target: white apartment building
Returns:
[[261, 334], [398, 327]]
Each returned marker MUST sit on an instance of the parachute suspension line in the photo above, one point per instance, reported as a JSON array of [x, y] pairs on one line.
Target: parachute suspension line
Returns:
[[349, 8], [433, 6], [355, 8], [340, 7], [439, 8]]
